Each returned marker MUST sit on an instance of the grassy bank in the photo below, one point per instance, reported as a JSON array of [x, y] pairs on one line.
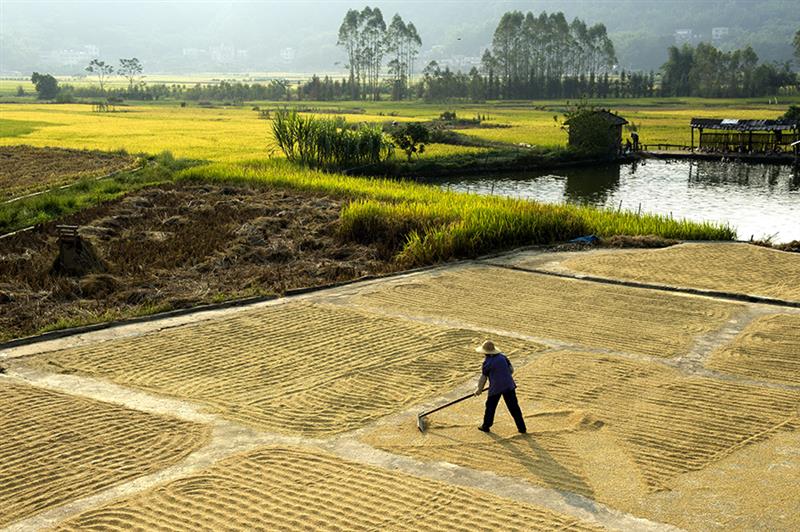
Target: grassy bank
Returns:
[[85, 193], [424, 224]]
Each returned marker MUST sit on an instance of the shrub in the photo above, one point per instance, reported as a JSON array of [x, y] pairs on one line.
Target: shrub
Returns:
[[411, 138]]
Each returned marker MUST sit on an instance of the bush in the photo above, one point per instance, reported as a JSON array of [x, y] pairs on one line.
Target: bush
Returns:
[[411, 138], [65, 97]]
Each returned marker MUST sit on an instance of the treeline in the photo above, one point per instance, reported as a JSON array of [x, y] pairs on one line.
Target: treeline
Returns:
[[708, 72], [226, 91], [367, 41], [442, 84], [532, 56]]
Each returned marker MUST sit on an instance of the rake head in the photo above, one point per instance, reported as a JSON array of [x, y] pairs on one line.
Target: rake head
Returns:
[[422, 422]]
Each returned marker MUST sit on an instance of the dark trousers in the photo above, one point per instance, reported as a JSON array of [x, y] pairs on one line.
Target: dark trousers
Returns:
[[510, 397]]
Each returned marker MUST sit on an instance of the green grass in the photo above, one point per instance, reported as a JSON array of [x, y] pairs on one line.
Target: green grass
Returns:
[[17, 128], [424, 224]]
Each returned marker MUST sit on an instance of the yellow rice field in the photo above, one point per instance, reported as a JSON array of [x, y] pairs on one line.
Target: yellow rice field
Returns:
[[235, 133]]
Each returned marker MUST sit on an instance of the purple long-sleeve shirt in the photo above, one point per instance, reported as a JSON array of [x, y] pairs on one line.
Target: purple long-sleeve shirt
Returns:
[[499, 369]]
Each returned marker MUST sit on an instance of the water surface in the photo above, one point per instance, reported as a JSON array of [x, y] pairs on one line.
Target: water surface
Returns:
[[756, 200]]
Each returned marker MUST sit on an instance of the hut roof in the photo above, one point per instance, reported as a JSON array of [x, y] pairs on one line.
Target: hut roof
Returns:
[[611, 118], [744, 125]]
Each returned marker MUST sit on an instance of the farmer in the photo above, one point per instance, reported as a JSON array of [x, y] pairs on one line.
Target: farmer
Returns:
[[498, 369]]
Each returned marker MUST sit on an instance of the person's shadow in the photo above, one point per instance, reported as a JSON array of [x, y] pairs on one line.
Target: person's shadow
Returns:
[[542, 465]]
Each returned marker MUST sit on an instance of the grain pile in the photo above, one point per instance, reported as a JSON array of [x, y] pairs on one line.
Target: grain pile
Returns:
[[56, 448], [279, 488], [615, 430], [768, 349], [292, 368], [741, 268], [615, 318]]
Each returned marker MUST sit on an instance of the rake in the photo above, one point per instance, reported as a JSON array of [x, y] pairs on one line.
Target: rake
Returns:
[[421, 421]]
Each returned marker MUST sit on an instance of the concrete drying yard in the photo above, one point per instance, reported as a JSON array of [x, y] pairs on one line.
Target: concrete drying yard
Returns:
[[661, 390]]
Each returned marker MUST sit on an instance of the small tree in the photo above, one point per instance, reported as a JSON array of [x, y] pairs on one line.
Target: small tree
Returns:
[[101, 70], [20, 90], [411, 138], [46, 86], [793, 113], [131, 69]]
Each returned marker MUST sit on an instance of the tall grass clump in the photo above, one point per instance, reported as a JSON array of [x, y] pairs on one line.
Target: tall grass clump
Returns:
[[467, 227], [328, 143]]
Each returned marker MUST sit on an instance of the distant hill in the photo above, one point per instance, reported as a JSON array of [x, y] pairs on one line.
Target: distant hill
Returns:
[[301, 36]]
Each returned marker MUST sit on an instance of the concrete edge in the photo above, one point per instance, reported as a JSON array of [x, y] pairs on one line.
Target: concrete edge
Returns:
[[233, 303]]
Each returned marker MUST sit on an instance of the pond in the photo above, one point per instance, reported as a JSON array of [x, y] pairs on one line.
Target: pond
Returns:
[[757, 200]]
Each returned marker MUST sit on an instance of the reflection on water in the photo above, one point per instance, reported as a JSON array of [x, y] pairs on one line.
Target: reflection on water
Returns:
[[758, 200], [591, 185]]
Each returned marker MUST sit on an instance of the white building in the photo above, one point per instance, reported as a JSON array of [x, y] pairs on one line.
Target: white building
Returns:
[[683, 36], [719, 32]]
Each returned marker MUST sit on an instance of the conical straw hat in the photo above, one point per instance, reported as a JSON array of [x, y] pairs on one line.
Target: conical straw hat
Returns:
[[488, 348]]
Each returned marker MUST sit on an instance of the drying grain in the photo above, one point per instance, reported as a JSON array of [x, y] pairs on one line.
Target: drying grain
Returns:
[[614, 430], [589, 314], [741, 268], [291, 368], [279, 488], [768, 349], [55, 448]]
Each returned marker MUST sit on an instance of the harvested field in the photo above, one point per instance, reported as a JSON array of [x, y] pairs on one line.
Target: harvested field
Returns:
[[617, 431], [370, 367], [769, 349], [56, 448], [741, 268], [25, 169], [593, 315], [176, 246], [279, 488]]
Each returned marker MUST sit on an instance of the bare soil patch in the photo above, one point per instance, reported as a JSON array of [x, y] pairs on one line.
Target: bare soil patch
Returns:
[[176, 246], [283, 488], [56, 448], [25, 169]]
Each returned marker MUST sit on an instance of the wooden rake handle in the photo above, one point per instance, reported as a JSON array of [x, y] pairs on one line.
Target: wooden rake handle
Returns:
[[451, 403]]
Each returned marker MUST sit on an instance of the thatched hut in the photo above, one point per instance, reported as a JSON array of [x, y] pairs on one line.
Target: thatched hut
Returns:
[[597, 131]]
